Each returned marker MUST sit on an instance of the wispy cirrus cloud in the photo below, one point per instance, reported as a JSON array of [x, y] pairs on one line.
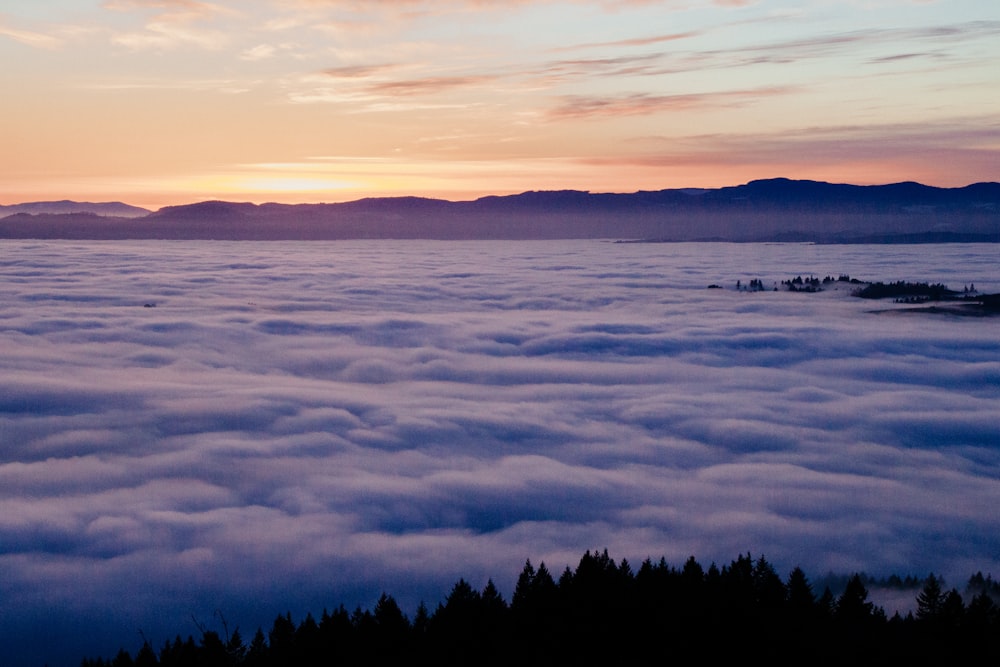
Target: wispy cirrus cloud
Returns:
[[591, 106], [29, 37], [974, 136], [632, 41], [48, 36], [360, 71], [749, 52], [827, 45], [433, 85], [174, 23], [170, 7], [378, 86], [168, 34], [571, 71]]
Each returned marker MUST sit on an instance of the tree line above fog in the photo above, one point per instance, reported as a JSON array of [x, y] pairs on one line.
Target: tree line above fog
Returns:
[[603, 612], [764, 210]]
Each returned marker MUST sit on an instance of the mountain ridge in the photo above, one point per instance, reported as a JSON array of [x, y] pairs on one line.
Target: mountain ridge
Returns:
[[67, 206], [760, 210]]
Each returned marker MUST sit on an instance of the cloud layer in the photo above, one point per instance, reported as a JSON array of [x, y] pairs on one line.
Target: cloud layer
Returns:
[[293, 426]]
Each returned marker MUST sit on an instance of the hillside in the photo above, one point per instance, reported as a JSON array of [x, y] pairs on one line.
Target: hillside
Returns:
[[64, 207], [766, 210]]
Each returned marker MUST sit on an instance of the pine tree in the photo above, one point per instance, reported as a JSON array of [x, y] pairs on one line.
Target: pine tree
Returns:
[[692, 572], [493, 601], [769, 591], [146, 657], [281, 640], [257, 651], [853, 605], [392, 629], [337, 635], [421, 620], [801, 600], [524, 587], [930, 599], [123, 659], [235, 647], [212, 651], [952, 609]]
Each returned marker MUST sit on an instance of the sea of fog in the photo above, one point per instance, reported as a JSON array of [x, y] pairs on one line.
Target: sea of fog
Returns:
[[196, 428]]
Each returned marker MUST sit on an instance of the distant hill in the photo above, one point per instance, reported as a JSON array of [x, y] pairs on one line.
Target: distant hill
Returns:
[[766, 210], [116, 209]]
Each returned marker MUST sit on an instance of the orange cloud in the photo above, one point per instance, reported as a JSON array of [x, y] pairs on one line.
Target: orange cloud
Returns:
[[174, 25], [429, 85], [30, 37], [357, 71]]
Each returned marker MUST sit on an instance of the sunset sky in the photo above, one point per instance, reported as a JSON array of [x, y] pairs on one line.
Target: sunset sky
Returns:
[[159, 102]]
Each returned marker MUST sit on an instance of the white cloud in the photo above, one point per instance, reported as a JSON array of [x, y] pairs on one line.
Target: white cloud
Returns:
[[259, 52], [299, 425]]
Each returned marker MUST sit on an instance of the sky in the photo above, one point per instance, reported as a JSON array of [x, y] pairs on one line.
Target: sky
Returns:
[[298, 425], [160, 102]]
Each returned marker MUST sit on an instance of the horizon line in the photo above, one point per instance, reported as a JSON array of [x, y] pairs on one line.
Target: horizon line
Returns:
[[265, 202]]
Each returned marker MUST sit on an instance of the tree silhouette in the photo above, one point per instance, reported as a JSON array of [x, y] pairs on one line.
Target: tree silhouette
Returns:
[[952, 609], [212, 651], [281, 641], [257, 652], [534, 614], [494, 619], [122, 659], [392, 629], [523, 588], [982, 611], [930, 600], [853, 605], [769, 591], [307, 644], [600, 612], [801, 599], [145, 656], [179, 653]]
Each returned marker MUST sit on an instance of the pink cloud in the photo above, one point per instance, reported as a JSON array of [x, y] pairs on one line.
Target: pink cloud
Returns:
[[593, 106]]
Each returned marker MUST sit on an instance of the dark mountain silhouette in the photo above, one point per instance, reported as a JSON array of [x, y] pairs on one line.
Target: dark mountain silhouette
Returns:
[[65, 206], [766, 210]]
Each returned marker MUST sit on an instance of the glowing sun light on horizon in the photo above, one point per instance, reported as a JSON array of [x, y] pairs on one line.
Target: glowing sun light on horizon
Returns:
[[290, 184]]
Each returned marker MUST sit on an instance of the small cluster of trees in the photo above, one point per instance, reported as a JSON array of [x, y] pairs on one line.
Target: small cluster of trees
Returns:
[[755, 285], [842, 278], [800, 284], [905, 289], [902, 291], [605, 612], [814, 284], [796, 284]]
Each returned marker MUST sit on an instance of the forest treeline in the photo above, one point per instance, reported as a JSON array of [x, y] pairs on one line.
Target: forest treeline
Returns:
[[606, 613]]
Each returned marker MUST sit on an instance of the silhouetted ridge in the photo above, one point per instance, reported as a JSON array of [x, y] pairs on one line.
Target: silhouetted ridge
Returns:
[[541, 199], [66, 206], [395, 205], [783, 191], [777, 209], [214, 210]]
